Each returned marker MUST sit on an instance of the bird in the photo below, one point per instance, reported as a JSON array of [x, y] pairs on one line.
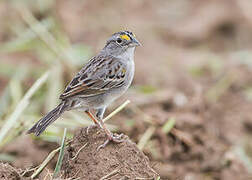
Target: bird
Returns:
[[103, 79]]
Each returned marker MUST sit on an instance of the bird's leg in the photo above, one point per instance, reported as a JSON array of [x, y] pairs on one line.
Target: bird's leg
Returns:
[[93, 119], [111, 136]]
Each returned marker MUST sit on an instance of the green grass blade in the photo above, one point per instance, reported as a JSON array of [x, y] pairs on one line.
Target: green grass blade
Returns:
[[168, 125], [59, 162], [6, 157]]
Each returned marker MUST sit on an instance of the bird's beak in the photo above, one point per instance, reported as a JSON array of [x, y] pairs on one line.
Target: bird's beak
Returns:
[[135, 42]]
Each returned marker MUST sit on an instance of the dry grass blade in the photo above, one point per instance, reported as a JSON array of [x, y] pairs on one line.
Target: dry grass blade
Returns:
[[45, 162], [78, 152], [11, 121], [146, 136], [4, 101], [110, 174], [36, 27], [117, 110], [25, 37], [46, 36], [143, 178]]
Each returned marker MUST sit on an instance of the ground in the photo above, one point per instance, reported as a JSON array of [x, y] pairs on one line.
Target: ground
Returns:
[[194, 68], [116, 161]]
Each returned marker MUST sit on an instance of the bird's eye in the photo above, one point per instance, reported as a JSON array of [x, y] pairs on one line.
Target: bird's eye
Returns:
[[119, 40]]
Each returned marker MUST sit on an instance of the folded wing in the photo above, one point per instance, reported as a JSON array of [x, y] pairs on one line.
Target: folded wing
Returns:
[[96, 77]]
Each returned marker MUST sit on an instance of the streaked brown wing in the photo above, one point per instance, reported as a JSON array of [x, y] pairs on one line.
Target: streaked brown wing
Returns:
[[96, 77]]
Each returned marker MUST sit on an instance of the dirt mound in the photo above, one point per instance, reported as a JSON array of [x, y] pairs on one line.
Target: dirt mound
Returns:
[[8, 172], [115, 161]]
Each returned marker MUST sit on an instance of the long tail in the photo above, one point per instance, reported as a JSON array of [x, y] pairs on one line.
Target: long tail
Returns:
[[45, 121]]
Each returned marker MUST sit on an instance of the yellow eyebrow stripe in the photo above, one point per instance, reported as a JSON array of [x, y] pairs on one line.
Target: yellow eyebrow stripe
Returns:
[[125, 37]]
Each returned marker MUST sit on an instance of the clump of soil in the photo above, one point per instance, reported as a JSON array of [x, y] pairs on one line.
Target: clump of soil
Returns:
[[115, 161], [7, 172]]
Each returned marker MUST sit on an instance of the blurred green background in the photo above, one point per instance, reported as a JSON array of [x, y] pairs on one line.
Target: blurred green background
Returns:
[[190, 109]]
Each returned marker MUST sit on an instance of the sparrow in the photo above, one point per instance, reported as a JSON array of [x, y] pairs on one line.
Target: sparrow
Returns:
[[102, 80]]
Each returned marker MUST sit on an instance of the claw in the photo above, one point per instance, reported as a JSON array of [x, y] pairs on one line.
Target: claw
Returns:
[[103, 145], [90, 127], [120, 137], [114, 138]]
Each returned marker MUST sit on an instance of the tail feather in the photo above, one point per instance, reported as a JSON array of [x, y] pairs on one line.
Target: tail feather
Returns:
[[45, 121]]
